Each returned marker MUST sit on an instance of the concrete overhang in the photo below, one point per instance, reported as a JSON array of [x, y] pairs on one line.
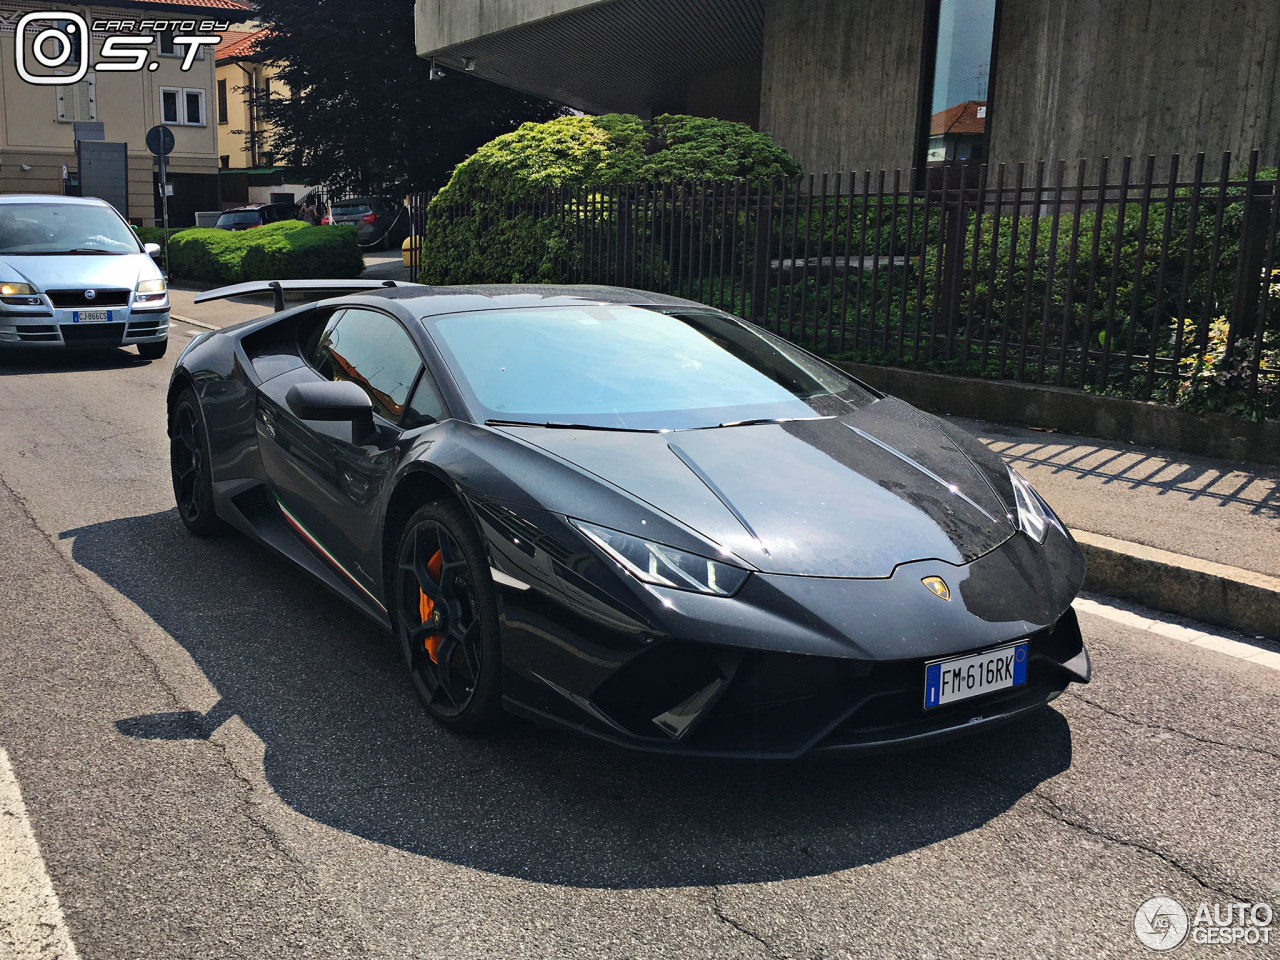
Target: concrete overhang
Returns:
[[635, 56]]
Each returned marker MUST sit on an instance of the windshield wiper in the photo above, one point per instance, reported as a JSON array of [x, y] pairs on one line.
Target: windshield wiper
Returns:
[[559, 425], [758, 420]]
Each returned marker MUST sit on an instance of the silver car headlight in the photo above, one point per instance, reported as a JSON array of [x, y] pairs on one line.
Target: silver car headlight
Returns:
[[1034, 515], [663, 566], [151, 291], [15, 289]]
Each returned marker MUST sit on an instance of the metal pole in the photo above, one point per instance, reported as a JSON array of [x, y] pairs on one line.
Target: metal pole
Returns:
[[164, 201]]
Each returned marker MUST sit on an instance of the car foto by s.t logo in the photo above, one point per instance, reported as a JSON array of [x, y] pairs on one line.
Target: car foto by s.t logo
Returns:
[[57, 40]]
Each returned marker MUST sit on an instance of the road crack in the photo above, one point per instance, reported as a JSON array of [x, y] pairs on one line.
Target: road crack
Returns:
[[1148, 725], [1057, 812], [724, 918]]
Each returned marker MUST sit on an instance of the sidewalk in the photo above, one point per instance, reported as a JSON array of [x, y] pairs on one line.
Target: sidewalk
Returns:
[[1196, 536]]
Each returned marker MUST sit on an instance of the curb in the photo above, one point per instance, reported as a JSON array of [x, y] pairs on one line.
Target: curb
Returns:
[[1215, 593]]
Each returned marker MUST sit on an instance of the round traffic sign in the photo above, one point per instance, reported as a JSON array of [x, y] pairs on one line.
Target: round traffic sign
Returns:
[[160, 141]]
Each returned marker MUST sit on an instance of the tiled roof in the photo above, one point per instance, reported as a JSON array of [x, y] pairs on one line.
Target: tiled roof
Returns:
[[961, 119], [237, 45]]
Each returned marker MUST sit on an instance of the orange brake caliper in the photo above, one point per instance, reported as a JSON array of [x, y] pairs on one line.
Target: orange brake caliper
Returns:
[[426, 607]]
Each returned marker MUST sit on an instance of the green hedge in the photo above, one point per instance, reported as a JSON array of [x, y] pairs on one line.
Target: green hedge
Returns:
[[476, 233], [290, 250]]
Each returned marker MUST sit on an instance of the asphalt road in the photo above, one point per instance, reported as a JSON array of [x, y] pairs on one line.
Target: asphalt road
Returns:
[[218, 759]]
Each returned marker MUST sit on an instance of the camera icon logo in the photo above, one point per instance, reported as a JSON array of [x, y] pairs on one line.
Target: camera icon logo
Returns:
[[53, 46]]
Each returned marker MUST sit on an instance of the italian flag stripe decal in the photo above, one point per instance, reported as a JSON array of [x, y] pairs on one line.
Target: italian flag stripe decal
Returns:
[[310, 538]]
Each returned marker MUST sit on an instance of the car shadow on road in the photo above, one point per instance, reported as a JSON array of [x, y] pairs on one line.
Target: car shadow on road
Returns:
[[348, 745], [26, 361]]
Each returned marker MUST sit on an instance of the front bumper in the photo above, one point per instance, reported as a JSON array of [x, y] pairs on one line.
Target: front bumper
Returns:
[[767, 705], [46, 327]]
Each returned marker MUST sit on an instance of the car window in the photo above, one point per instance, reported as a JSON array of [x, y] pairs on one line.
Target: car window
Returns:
[[37, 229], [350, 209], [634, 368], [235, 219], [372, 350], [425, 406]]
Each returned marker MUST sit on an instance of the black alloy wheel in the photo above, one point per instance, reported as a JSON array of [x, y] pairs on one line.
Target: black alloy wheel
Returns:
[[189, 464], [446, 618]]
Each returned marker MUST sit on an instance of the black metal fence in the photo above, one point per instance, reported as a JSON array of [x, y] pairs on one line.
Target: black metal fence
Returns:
[[1120, 277]]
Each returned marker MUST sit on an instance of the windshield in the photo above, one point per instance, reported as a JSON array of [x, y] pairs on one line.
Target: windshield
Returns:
[[632, 368], [61, 228], [235, 219]]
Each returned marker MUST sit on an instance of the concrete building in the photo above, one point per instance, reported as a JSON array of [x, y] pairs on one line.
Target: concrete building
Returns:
[[854, 84], [39, 122], [248, 169]]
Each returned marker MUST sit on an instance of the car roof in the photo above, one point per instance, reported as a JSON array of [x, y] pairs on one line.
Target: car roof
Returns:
[[51, 199], [437, 301]]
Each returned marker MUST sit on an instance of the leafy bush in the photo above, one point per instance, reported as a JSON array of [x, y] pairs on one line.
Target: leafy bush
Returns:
[[289, 250], [488, 224], [1218, 378]]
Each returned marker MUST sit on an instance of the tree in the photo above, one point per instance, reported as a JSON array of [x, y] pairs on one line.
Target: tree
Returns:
[[368, 117]]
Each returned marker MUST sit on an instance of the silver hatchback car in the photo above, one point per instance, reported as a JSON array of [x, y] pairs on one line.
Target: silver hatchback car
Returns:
[[74, 274]]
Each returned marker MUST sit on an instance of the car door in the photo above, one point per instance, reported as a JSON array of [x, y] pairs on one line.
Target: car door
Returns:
[[329, 482]]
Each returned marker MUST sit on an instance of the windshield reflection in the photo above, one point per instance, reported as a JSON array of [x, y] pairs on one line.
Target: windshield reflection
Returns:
[[62, 229], [608, 366]]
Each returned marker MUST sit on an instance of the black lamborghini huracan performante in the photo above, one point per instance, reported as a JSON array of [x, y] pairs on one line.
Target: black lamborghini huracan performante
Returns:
[[631, 515]]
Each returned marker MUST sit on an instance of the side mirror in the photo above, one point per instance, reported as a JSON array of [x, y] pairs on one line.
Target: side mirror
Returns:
[[334, 401], [152, 250]]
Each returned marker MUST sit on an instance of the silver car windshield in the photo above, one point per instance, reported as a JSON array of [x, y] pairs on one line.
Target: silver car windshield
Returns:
[[59, 229]]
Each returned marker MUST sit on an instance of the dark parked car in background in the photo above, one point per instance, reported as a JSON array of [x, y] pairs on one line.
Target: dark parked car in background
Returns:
[[383, 222], [256, 215]]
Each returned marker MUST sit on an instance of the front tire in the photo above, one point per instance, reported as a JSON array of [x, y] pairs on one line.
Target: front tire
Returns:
[[190, 466], [446, 618], [153, 350]]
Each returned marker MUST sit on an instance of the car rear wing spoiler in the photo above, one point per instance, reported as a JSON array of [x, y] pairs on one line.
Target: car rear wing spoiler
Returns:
[[279, 287]]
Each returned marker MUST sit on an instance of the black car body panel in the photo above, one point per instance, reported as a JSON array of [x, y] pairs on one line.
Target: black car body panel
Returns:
[[838, 519]]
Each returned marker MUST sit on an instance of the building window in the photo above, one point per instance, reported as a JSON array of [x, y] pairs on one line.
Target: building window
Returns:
[[167, 47], [182, 106], [963, 48], [266, 87], [267, 158], [222, 101], [77, 41], [193, 101], [224, 162], [78, 101], [170, 98]]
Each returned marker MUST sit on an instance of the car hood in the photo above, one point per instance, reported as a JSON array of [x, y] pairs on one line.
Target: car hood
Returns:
[[847, 497], [79, 271]]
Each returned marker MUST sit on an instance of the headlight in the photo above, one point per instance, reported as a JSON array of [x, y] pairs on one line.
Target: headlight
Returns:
[[1034, 516], [151, 291], [664, 566], [16, 289]]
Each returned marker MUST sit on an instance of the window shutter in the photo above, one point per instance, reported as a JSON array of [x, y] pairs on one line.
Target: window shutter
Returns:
[[78, 101]]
